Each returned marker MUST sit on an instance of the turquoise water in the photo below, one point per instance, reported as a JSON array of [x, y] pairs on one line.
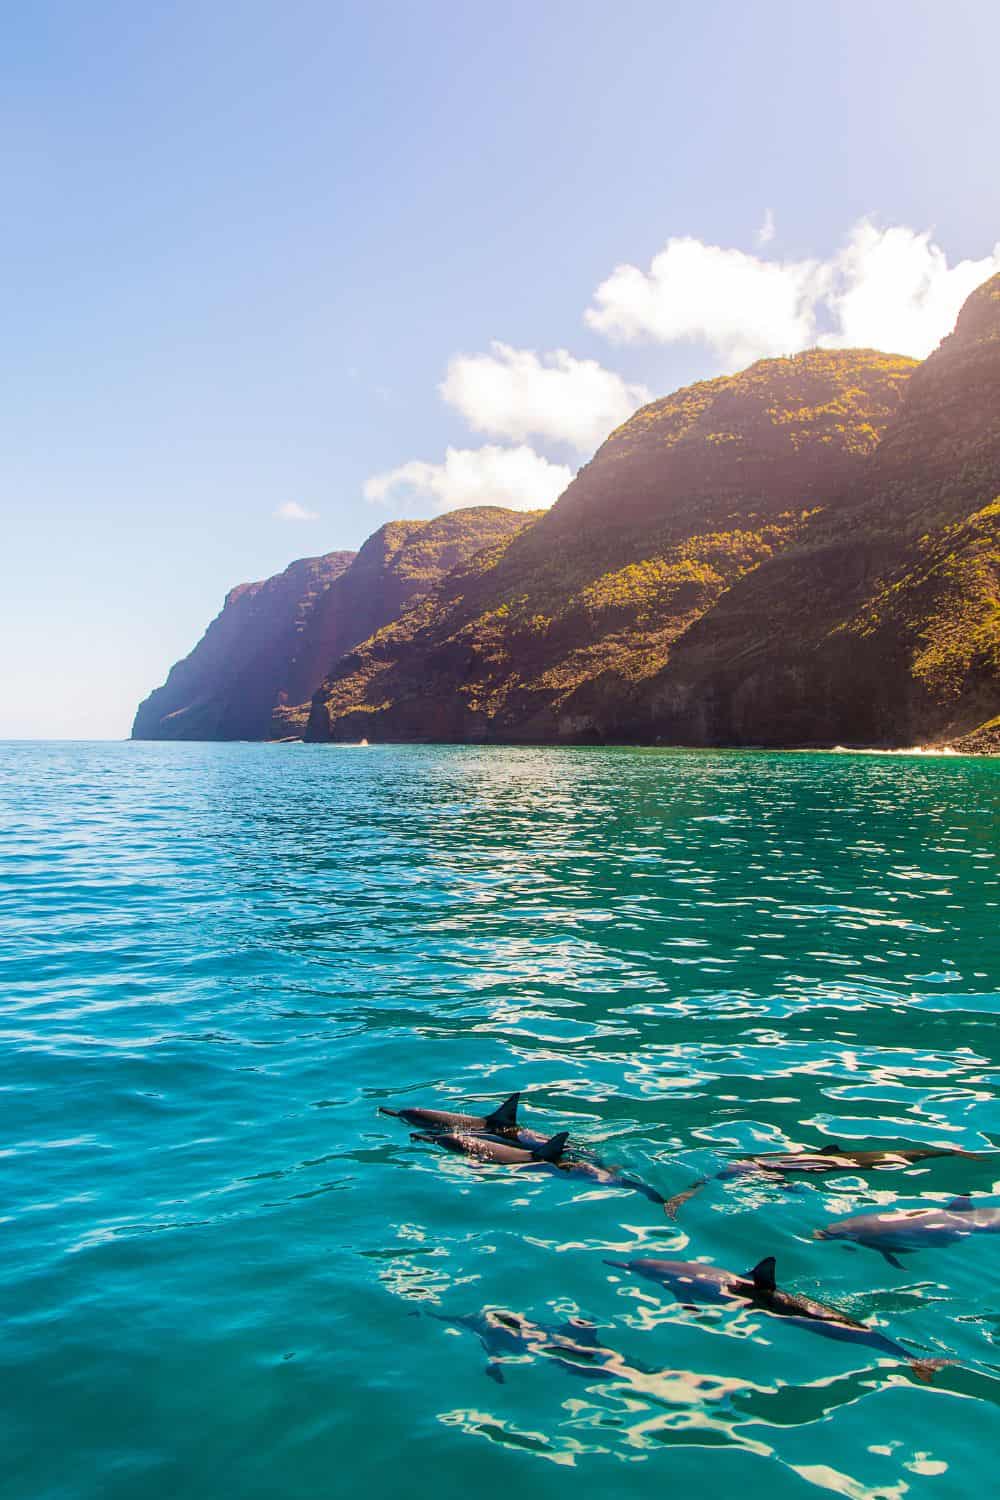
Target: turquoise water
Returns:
[[224, 1274]]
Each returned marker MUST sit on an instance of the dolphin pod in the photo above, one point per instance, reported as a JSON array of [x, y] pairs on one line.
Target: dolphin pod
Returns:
[[901, 1231], [777, 1165], [692, 1281], [499, 1139]]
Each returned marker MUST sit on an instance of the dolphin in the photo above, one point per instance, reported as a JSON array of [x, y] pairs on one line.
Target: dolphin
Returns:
[[833, 1158], [693, 1281], [503, 1120], [547, 1155], [901, 1231], [523, 1135]]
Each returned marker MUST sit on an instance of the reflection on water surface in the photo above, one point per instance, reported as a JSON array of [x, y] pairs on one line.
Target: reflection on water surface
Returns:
[[223, 1268]]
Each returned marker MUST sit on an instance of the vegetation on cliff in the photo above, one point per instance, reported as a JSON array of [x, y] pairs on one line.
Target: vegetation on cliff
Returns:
[[395, 568], [881, 626], [561, 635], [806, 553]]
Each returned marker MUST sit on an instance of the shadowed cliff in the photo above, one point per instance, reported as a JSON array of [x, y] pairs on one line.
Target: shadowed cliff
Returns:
[[227, 687], [254, 671]]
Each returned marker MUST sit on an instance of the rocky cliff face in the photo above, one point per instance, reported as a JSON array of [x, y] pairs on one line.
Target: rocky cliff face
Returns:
[[254, 672], [395, 568], [882, 627], [567, 632], [227, 687]]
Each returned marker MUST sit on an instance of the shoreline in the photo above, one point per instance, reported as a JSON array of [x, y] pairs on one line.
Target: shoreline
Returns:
[[928, 752]]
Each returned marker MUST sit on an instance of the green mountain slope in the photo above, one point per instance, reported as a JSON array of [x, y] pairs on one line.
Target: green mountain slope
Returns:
[[882, 626], [564, 634], [396, 567], [806, 553]]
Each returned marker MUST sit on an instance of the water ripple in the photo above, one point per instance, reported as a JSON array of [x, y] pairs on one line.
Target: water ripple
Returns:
[[224, 1269]]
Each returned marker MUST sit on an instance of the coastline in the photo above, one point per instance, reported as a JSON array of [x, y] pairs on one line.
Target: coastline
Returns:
[[953, 750]]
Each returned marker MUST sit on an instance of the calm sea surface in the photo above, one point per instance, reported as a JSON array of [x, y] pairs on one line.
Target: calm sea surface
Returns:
[[223, 1274]]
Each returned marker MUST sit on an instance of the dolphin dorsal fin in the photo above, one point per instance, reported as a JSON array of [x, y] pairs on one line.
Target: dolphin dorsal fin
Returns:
[[960, 1205], [504, 1117], [762, 1275], [552, 1149]]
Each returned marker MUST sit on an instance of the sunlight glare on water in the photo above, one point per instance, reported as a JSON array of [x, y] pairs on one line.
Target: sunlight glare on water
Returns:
[[226, 1273]]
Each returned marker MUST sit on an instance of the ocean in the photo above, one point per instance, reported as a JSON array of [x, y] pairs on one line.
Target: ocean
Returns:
[[224, 1273]]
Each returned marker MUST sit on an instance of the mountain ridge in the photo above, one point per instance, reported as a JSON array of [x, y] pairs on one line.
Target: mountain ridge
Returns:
[[694, 490], [804, 553]]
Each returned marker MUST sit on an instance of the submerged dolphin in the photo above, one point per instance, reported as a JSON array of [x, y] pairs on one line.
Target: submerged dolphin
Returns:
[[900, 1231], [833, 1158], [693, 1281], [605, 1176], [548, 1155], [503, 1120], [572, 1345]]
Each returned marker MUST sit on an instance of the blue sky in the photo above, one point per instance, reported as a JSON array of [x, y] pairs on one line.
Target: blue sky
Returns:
[[246, 243]]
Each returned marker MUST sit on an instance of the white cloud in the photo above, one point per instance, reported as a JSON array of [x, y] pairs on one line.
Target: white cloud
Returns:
[[893, 289], [889, 289], [516, 393], [293, 511], [743, 307], [516, 477]]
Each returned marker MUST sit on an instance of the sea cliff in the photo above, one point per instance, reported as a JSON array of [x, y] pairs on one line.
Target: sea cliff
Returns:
[[255, 670], [805, 553]]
